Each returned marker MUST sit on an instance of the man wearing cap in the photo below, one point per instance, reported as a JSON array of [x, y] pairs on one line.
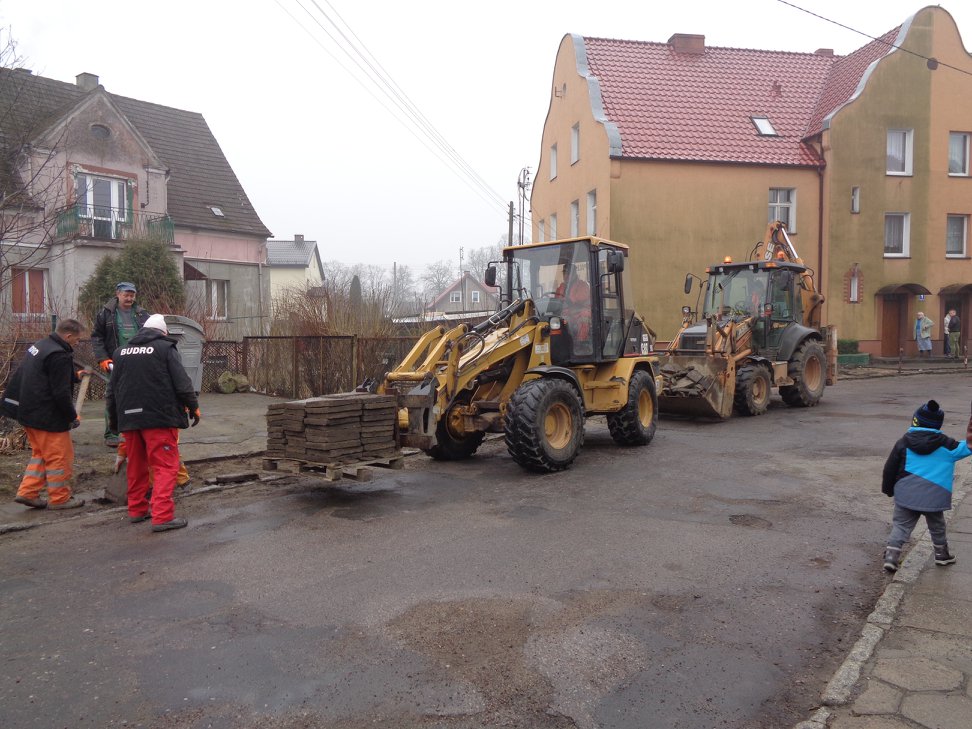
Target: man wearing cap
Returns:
[[150, 397], [117, 322]]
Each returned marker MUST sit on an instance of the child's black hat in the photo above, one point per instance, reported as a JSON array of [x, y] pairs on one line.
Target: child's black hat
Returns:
[[929, 415]]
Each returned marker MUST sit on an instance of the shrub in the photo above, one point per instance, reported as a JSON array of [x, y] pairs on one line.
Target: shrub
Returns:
[[847, 346]]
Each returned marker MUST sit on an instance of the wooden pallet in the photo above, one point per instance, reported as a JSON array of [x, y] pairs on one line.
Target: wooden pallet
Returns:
[[357, 471]]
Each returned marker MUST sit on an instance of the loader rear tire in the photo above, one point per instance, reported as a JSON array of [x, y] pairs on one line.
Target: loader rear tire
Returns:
[[545, 425], [808, 368], [635, 423], [753, 389]]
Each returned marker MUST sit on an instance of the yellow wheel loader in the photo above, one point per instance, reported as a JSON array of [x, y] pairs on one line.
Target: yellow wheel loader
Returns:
[[565, 345], [760, 330]]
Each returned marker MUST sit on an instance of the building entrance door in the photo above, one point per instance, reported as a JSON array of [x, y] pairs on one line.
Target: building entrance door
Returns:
[[892, 327]]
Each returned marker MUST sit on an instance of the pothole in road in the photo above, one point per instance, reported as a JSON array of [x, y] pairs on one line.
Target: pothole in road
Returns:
[[750, 521]]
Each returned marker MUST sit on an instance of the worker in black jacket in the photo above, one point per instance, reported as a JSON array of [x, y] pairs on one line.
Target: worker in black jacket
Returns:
[[150, 397], [41, 394], [117, 322]]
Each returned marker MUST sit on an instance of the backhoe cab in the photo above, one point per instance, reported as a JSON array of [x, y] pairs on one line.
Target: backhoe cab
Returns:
[[760, 328], [565, 345]]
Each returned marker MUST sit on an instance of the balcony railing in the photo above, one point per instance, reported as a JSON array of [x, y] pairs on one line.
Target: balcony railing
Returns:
[[102, 223]]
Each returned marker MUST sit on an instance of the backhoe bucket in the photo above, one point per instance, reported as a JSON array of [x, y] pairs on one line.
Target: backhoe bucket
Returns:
[[696, 386]]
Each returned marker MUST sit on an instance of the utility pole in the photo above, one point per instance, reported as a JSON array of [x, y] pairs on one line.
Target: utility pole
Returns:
[[509, 238], [523, 184], [462, 281]]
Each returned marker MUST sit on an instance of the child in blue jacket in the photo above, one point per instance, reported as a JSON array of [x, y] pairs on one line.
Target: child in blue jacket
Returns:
[[919, 474]]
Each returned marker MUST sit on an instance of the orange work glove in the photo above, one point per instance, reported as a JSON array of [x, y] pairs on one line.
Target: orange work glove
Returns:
[[195, 417], [105, 365]]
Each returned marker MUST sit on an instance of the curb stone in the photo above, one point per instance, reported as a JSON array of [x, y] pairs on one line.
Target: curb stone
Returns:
[[841, 685]]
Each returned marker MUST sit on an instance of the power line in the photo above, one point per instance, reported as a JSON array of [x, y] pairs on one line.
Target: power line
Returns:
[[415, 122], [874, 38]]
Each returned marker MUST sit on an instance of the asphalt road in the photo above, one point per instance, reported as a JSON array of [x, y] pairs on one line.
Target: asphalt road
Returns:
[[714, 578]]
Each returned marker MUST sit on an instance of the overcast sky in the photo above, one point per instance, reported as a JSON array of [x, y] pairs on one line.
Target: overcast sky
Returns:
[[316, 150]]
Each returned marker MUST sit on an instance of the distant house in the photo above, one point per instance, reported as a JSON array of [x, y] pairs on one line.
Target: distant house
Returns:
[[684, 150], [293, 265], [465, 296], [93, 170]]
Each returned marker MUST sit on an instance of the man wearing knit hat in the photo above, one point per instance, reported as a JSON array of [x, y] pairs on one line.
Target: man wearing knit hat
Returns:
[[919, 474], [150, 397]]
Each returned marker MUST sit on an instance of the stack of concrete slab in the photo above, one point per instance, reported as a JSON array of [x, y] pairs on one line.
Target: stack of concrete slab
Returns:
[[333, 429]]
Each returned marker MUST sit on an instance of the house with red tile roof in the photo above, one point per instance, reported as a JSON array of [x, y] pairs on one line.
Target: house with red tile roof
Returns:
[[684, 152], [466, 296], [84, 171]]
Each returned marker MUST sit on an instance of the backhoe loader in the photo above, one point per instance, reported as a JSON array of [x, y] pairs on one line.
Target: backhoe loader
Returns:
[[760, 330], [564, 345]]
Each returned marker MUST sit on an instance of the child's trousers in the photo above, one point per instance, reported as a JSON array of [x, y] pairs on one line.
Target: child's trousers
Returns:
[[903, 522]]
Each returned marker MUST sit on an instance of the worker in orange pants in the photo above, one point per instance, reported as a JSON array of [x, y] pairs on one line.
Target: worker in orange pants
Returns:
[[51, 465]]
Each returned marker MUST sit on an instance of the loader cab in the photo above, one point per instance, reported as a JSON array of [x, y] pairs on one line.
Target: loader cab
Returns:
[[768, 292], [577, 287]]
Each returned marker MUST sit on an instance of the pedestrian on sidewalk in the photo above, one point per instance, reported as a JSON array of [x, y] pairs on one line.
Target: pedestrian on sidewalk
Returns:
[[955, 334], [117, 322], [923, 333], [946, 347], [150, 397], [40, 397], [918, 475]]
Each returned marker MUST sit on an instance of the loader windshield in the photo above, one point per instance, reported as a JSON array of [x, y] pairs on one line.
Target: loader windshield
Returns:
[[736, 292], [548, 274]]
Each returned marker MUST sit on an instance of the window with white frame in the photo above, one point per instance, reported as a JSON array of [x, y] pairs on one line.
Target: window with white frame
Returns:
[[217, 298], [782, 207], [574, 219], [553, 227], [553, 161], [956, 236], [455, 297], [592, 212], [28, 287], [958, 154], [575, 143], [900, 144], [474, 296], [855, 199], [897, 230], [542, 230], [104, 201], [854, 288]]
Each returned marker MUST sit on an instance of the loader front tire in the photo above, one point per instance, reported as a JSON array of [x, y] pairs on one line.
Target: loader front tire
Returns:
[[808, 368], [451, 446], [545, 425], [635, 423], [753, 389]]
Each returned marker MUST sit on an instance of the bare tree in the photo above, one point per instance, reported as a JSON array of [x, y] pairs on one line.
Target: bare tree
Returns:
[[436, 277], [32, 197]]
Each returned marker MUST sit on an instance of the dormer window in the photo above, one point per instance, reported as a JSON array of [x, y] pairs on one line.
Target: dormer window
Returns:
[[764, 126], [218, 212]]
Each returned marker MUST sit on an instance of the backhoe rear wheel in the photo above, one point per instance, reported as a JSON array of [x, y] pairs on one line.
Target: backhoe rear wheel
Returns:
[[635, 423], [545, 425], [753, 389], [808, 368], [450, 443]]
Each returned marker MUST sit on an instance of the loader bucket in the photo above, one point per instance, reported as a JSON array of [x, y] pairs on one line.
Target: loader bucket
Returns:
[[697, 386]]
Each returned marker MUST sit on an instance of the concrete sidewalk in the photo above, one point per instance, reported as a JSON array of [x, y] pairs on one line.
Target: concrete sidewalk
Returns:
[[912, 666]]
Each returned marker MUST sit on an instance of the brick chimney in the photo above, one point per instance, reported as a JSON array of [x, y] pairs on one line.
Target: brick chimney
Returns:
[[298, 237], [828, 52], [687, 43], [86, 81]]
